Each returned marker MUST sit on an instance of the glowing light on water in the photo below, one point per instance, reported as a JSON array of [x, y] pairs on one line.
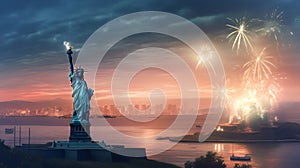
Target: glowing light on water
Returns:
[[219, 147]]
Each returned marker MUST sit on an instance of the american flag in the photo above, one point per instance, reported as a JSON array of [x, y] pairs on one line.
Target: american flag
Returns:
[[9, 130]]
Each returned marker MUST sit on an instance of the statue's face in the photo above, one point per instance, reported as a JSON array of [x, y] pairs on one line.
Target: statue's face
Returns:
[[79, 73]]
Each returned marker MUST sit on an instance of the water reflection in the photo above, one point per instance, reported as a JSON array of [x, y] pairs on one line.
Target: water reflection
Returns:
[[275, 155], [219, 148]]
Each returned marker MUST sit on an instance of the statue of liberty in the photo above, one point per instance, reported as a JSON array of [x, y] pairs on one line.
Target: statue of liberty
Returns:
[[81, 93]]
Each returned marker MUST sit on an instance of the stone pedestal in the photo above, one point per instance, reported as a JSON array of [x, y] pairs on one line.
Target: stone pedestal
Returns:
[[79, 132]]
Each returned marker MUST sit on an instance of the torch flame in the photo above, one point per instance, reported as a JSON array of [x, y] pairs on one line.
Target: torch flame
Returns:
[[68, 45]]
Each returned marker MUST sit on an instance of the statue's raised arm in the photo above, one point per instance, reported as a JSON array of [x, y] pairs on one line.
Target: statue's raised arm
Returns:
[[70, 59], [69, 53]]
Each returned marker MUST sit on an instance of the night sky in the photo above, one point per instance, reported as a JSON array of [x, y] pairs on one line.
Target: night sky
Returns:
[[33, 65]]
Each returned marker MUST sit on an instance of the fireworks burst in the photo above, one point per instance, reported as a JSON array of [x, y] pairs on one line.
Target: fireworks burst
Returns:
[[273, 90], [273, 25], [260, 88], [228, 92], [200, 62], [257, 99], [205, 57], [240, 34], [228, 95], [259, 68]]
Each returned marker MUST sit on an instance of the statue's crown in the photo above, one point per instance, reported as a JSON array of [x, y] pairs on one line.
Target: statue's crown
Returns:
[[79, 69]]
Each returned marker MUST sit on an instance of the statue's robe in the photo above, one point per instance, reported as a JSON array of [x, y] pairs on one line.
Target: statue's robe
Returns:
[[81, 99]]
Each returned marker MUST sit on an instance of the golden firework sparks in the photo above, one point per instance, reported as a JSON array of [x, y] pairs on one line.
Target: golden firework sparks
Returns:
[[273, 25], [259, 68], [240, 34]]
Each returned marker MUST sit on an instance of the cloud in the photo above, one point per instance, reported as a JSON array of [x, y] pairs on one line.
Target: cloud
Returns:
[[32, 32]]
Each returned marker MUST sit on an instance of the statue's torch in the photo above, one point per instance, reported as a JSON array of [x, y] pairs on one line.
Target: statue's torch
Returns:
[[69, 53]]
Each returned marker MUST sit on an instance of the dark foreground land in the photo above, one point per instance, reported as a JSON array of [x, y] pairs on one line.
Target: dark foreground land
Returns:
[[282, 132], [10, 158]]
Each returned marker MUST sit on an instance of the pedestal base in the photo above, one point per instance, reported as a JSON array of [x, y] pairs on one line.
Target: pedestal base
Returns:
[[80, 132]]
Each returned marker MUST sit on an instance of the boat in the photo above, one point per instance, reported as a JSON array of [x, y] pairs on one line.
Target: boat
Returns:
[[240, 158], [238, 165]]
